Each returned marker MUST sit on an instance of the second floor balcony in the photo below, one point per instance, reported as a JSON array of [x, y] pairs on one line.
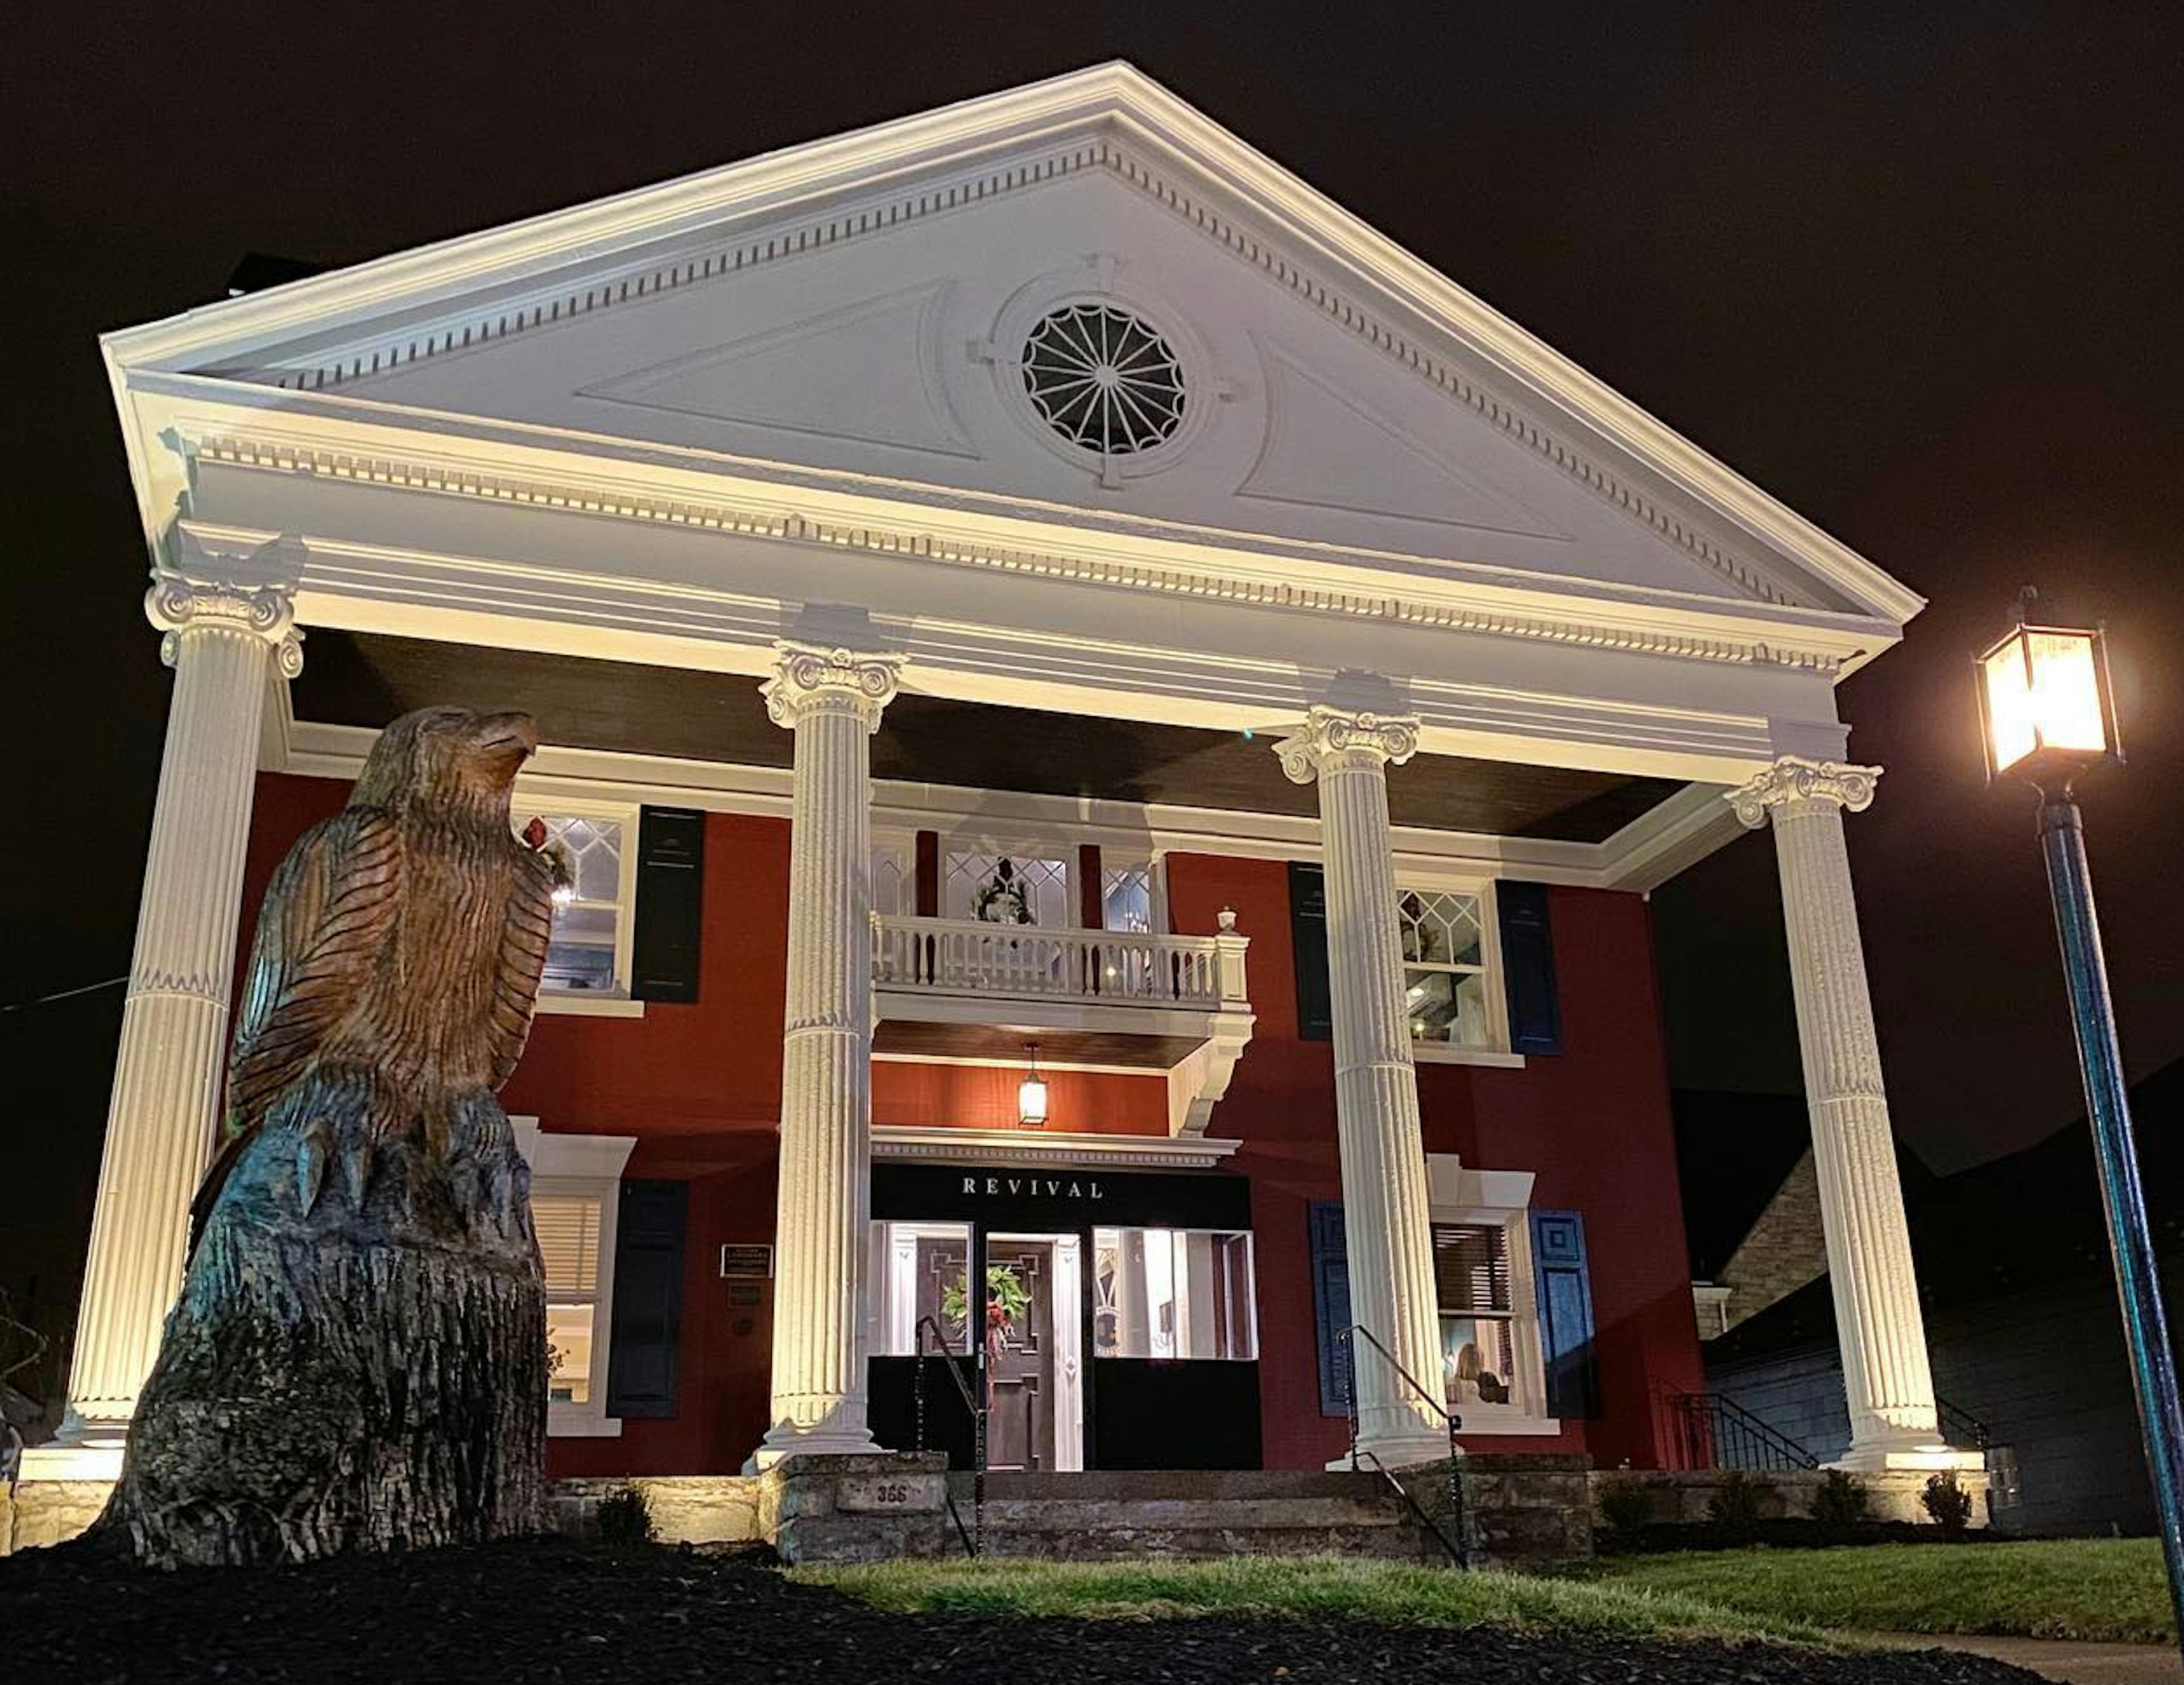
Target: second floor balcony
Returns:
[[960, 988]]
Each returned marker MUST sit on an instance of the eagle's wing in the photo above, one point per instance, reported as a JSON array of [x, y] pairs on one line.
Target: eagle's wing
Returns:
[[326, 917], [526, 930]]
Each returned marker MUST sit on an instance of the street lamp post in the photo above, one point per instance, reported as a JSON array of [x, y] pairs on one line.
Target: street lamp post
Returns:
[[2049, 715]]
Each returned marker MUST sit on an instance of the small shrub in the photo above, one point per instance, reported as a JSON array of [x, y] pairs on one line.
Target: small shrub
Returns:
[[1736, 1502], [1625, 1505], [624, 1520], [1946, 1501], [1841, 1501]]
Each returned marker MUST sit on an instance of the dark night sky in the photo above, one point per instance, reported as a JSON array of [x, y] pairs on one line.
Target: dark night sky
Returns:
[[1914, 270]]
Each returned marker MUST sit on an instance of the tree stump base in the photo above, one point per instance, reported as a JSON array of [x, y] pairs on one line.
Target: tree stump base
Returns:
[[358, 1361]]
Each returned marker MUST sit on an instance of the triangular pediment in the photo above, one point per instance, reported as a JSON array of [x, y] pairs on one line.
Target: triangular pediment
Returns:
[[882, 308]]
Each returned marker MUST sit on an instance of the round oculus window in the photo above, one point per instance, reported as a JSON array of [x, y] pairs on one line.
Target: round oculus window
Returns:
[[1104, 378]]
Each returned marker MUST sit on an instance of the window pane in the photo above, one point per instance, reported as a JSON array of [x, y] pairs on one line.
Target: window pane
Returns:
[[1471, 1267], [1127, 898], [1439, 930], [591, 850], [569, 1347], [1007, 889], [1173, 1293], [1447, 1006], [578, 963], [918, 1270], [1477, 1360], [568, 1228]]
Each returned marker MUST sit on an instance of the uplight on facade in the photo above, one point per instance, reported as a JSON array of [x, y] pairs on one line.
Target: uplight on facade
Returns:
[[2044, 702]]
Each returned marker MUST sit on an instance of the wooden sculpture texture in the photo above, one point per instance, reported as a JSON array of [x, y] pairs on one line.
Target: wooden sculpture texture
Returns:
[[358, 1360]]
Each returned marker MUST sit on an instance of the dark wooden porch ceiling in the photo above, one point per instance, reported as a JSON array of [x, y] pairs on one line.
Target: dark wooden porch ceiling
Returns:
[[367, 679]]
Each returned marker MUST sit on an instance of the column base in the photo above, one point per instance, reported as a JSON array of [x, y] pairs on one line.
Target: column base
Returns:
[[781, 1442], [1928, 1456], [1399, 1451]]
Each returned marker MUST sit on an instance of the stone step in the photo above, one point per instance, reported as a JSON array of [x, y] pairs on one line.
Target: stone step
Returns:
[[1218, 1485], [1063, 1514], [1111, 1544]]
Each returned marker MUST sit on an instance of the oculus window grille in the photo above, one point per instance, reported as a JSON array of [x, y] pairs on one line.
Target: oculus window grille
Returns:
[[1104, 378]]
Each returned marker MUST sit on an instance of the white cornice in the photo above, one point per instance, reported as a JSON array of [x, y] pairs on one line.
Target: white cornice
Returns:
[[1642, 855], [1079, 110]]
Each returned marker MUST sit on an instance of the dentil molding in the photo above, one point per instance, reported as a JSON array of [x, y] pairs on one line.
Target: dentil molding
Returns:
[[1796, 777]]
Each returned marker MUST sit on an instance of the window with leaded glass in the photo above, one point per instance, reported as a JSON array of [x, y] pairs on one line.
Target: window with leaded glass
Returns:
[[1006, 888], [588, 951], [1126, 898], [1444, 967]]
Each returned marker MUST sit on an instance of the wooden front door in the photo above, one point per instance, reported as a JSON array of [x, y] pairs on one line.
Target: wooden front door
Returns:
[[1020, 1424]]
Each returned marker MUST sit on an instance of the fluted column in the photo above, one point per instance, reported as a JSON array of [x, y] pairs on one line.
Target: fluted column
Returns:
[[1386, 1217], [223, 641], [1886, 1375], [831, 699]]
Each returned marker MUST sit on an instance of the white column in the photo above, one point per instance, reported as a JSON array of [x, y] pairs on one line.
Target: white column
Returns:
[[1387, 1216], [223, 642], [1885, 1372], [831, 699]]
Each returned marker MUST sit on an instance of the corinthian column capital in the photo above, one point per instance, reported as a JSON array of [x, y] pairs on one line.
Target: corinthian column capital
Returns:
[[1795, 778], [177, 604], [811, 678], [1333, 740]]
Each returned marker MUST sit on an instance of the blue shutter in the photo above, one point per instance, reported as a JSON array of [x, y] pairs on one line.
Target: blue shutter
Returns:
[[647, 1317], [1527, 967], [670, 904], [1330, 1304], [1564, 1285], [1308, 951]]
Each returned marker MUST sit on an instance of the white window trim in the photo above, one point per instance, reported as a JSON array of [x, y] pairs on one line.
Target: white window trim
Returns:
[[596, 1003], [1496, 1053], [583, 1167], [1457, 1195]]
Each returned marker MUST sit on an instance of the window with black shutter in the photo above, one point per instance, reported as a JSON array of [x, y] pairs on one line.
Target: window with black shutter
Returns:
[[1330, 1304], [1315, 1005], [1563, 1282], [643, 1360], [670, 904], [1527, 967]]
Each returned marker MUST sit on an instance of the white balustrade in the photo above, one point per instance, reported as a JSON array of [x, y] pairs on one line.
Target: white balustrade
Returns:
[[1029, 961]]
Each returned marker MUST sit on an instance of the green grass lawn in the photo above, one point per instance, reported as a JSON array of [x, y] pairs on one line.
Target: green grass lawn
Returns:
[[1312, 1587], [2109, 1590]]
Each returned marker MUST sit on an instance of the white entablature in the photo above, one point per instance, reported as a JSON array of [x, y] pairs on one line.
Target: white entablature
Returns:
[[872, 371]]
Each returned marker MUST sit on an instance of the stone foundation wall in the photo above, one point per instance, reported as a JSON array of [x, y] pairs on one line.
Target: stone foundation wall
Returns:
[[38, 1513], [693, 1509], [1518, 1509], [1681, 1497]]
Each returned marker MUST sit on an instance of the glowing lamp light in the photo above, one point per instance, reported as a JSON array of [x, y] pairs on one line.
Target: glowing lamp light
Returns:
[[2045, 708], [565, 895], [1031, 1092]]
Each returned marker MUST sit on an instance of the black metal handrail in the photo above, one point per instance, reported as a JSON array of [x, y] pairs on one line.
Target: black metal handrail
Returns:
[[1716, 1432], [1456, 1552], [1955, 1421], [974, 1541]]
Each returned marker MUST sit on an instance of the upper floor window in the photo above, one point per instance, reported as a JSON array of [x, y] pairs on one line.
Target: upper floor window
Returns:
[[1006, 888], [1445, 969], [1126, 897], [589, 951]]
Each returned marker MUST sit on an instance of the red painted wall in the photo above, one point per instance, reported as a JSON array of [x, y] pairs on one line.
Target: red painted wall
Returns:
[[1592, 1123], [699, 1085]]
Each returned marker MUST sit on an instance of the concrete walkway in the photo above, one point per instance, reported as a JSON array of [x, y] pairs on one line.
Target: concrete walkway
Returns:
[[2067, 1661]]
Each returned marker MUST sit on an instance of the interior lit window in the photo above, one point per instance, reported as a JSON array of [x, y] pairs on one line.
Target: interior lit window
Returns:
[[919, 1271], [587, 953], [1006, 888], [1479, 1331], [1173, 1293], [1126, 898], [1444, 967], [568, 1227]]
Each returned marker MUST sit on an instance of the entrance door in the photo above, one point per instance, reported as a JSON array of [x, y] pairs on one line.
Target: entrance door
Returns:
[[1019, 1352]]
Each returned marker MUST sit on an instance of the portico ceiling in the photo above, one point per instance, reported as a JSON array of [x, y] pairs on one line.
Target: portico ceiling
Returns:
[[367, 680]]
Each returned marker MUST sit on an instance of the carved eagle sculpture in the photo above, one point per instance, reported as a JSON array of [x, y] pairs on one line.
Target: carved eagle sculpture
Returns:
[[358, 1359], [404, 937]]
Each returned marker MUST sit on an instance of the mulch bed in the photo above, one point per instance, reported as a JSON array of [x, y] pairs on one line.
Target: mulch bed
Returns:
[[550, 1611]]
